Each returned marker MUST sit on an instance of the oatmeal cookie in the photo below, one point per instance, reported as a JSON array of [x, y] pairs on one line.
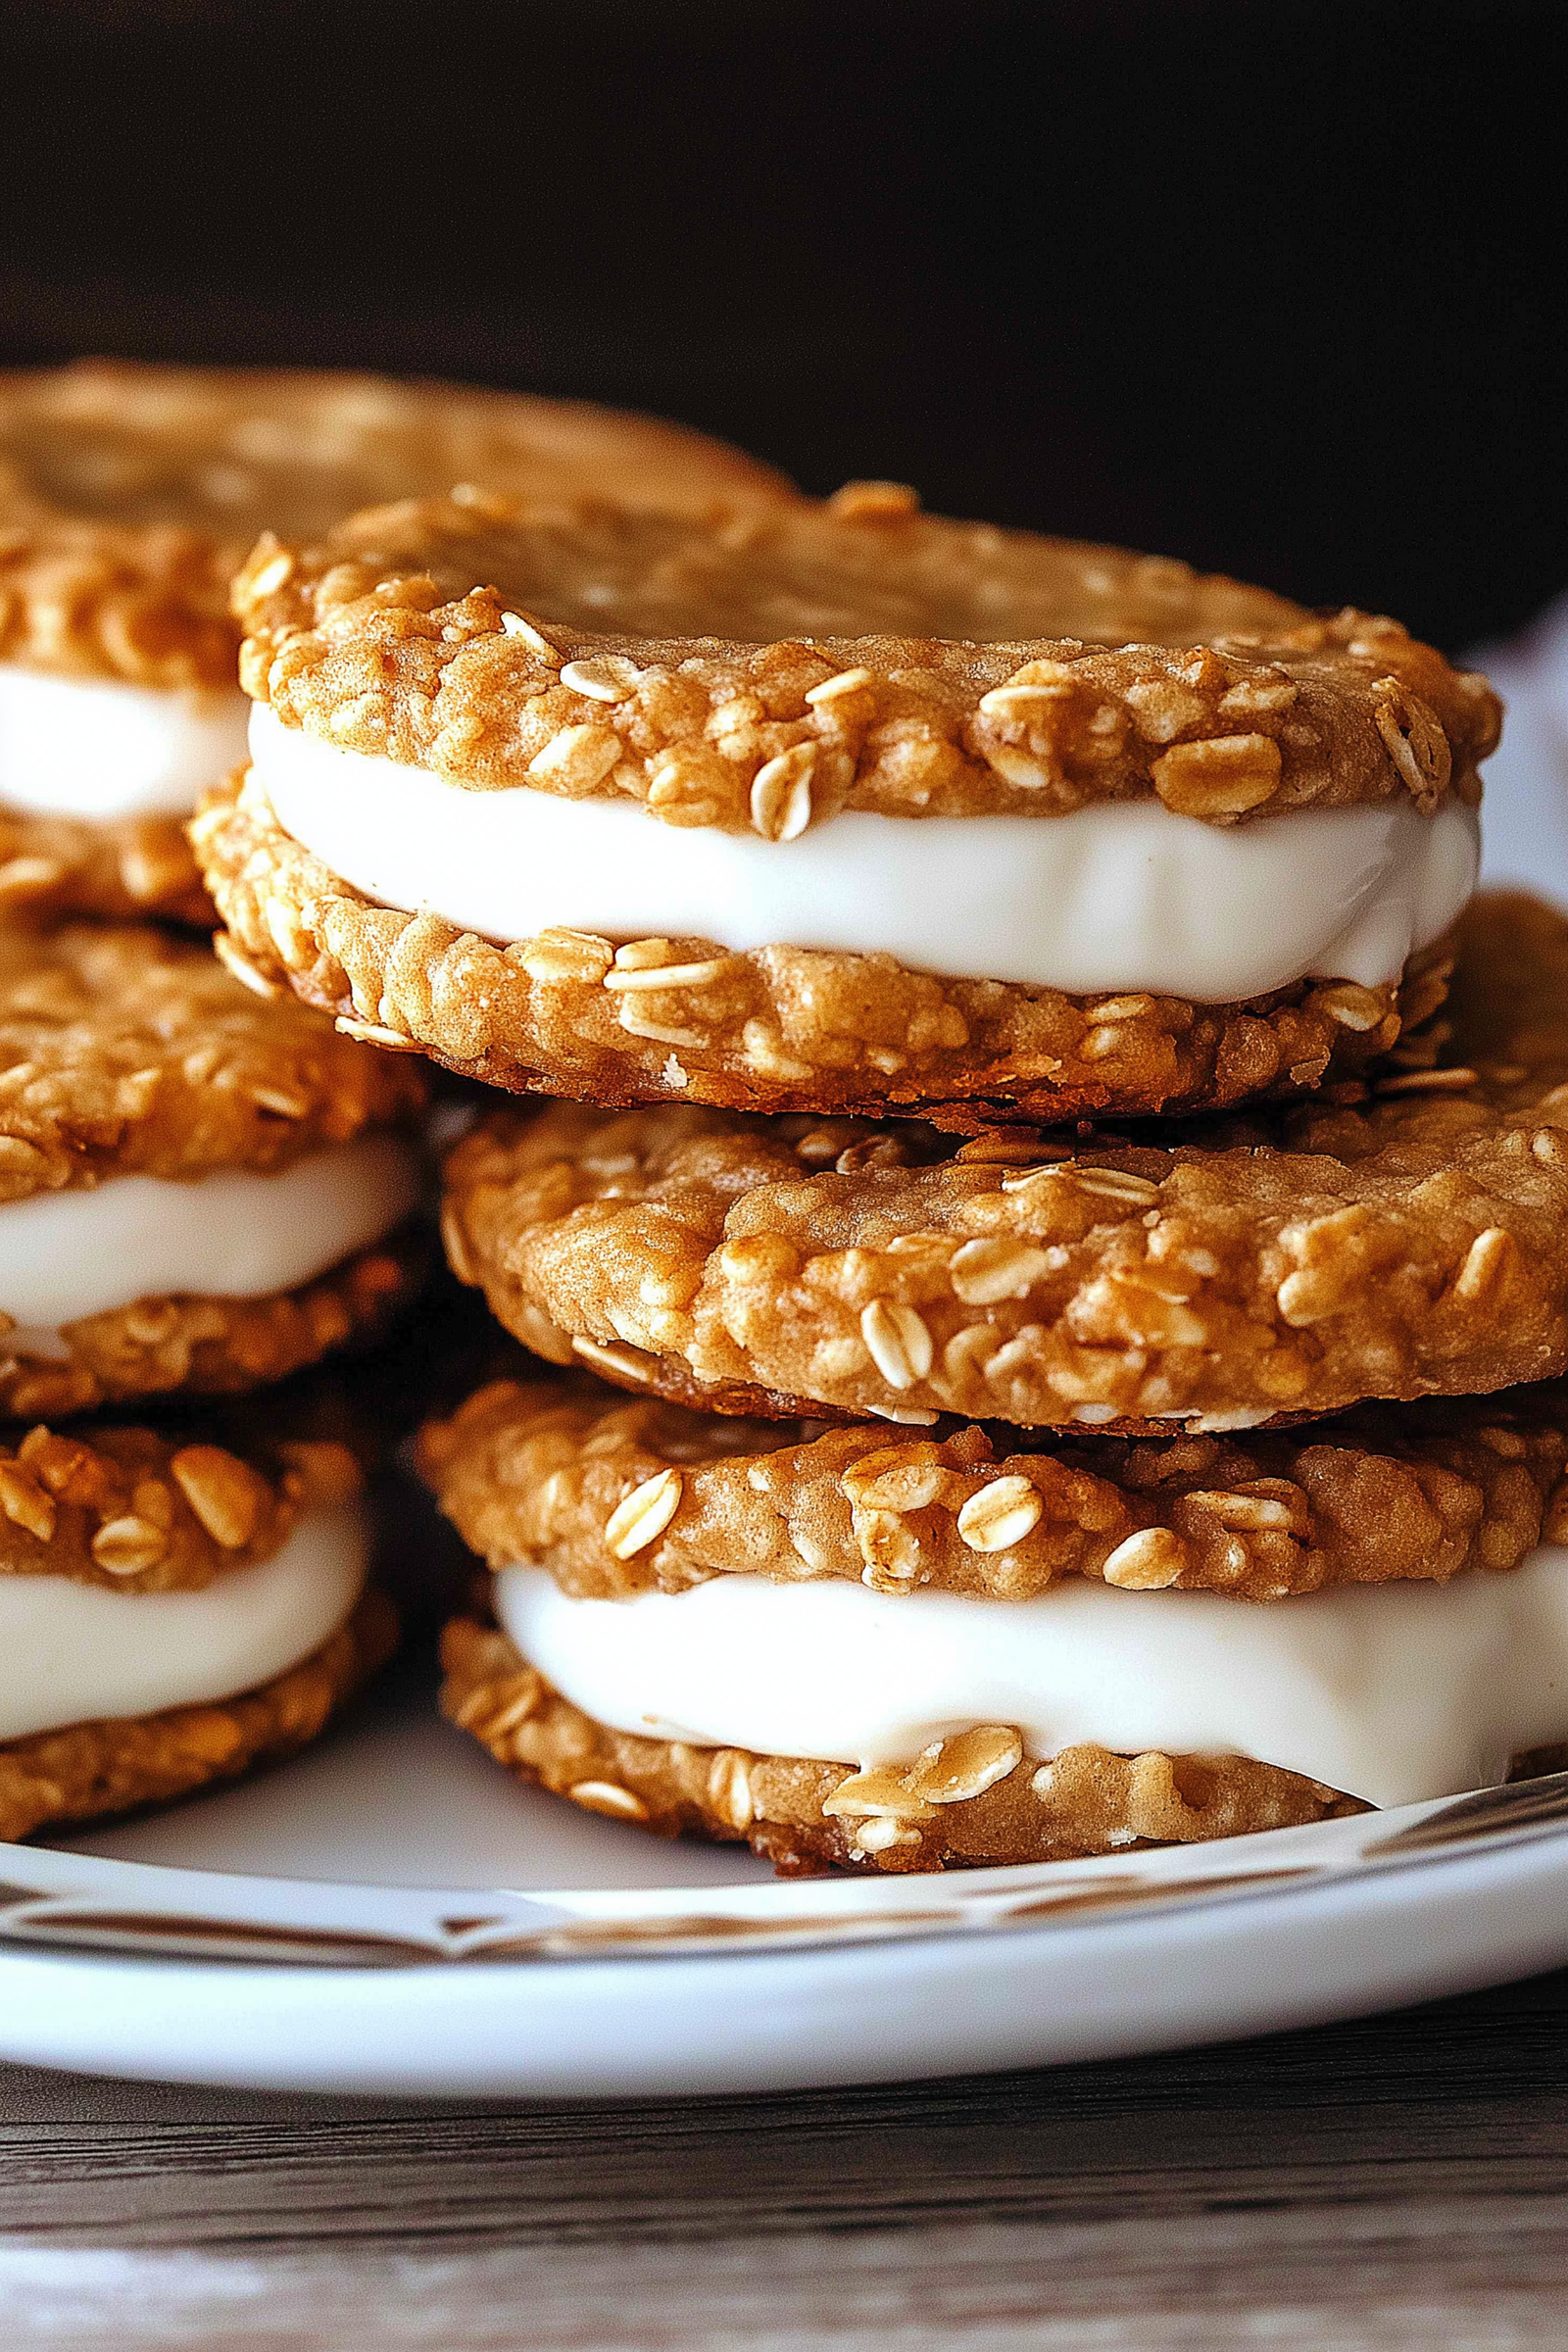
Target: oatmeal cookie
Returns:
[[616, 1499], [974, 1800], [1406, 1240], [144, 1510], [129, 492], [211, 1346], [90, 1769], [763, 672], [776, 1029], [125, 1051]]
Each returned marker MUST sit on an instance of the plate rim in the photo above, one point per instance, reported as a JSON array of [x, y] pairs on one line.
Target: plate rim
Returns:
[[59, 1899]]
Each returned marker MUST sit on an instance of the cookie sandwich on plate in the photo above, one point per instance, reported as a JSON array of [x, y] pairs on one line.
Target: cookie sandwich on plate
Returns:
[[908, 1650], [177, 1606], [839, 809]]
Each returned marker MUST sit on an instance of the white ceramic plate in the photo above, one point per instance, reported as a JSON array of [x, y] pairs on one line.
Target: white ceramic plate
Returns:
[[391, 1914]]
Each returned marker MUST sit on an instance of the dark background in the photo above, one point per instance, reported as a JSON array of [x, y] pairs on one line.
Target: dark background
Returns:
[[1276, 284]]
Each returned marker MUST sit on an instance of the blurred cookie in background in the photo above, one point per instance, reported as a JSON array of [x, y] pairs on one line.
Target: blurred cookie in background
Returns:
[[128, 496]]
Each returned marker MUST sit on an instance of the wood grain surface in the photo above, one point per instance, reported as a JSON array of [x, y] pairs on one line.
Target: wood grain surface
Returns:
[[1396, 2182]]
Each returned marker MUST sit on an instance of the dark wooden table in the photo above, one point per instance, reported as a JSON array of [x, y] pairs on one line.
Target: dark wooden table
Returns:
[[1398, 2183]]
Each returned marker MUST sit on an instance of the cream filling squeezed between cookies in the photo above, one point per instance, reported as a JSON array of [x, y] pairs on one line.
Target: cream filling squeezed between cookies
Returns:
[[1111, 896], [1391, 1692], [103, 748], [239, 1234], [80, 1653]]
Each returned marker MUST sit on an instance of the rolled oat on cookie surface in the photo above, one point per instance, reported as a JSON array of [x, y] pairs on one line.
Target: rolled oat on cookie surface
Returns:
[[837, 808], [199, 1188], [1404, 1242], [177, 1605], [128, 496], [910, 1653]]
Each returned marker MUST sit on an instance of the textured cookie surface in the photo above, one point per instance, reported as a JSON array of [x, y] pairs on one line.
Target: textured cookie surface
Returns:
[[762, 672], [124, 1050], [146, 1511], [1407, 1243], [977, 1800], [129, 493], [777, 1029], [91, 1770], [617, 1497]]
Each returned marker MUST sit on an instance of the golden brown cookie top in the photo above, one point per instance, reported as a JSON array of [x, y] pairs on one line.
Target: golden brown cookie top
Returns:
[[125, 1051], [1409, 1240], [615, 1497], [145, 1512], [767, 670], [129, 492]]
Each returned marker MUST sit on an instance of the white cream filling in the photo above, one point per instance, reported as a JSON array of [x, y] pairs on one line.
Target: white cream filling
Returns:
[[102, 748], [239, 1234], [1127, 896], [80, 1653], [1390, 1693]]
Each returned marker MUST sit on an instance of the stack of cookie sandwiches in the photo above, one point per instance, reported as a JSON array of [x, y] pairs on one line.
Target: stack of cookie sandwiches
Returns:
[[202, 1189], [200, 1193], [1053, 1246]]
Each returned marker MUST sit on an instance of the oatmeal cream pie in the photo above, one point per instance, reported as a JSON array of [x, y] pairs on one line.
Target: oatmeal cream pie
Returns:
[[171, 1611], [1409, 1242], [198, 1190], [905, 1652], [837, 808], [128, 496]]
